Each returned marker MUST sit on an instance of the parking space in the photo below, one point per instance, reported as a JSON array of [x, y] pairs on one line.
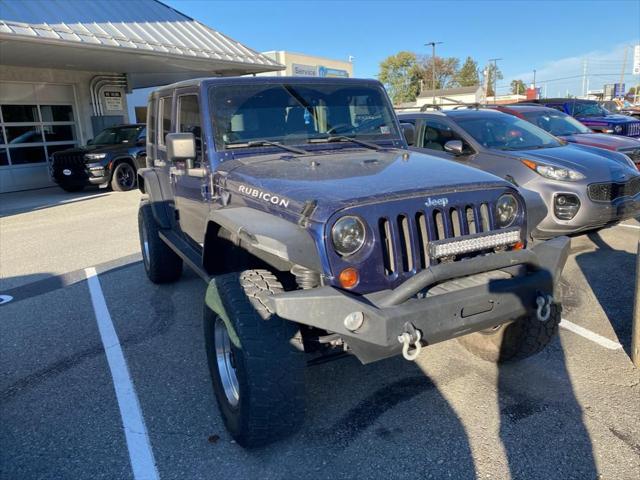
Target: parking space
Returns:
[[570, 412]]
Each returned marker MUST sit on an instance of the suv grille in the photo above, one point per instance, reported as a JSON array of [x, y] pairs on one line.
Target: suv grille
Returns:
[[607, 192], [405, 238], [632, 129], [71, 161]]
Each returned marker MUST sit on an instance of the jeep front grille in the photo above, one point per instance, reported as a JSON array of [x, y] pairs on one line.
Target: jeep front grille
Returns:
[[608, 192], [405, 238], [632, 129], [71, 161]]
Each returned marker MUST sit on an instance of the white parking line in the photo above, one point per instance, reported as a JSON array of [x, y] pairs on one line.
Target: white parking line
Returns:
[[637, 227], [142, 462], [589, 335]]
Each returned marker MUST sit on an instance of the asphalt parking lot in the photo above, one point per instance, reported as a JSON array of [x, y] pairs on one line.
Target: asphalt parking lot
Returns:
[[570, 412]]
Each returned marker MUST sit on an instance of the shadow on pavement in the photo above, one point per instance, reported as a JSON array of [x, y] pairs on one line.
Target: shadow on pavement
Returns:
[[614, 291], [31, 200]]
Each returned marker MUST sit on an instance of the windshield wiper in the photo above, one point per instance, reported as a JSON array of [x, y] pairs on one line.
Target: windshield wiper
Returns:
[[345, 138], [263, 143]]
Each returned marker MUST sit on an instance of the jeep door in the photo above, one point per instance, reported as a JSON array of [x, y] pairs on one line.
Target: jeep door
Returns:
[[190, 183]]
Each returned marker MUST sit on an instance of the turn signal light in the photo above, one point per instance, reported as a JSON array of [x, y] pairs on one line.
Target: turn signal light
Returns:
[[349, 277], [518, 246]]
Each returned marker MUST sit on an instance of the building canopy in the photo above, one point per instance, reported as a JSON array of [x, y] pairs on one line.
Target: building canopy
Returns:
[[147, 40]]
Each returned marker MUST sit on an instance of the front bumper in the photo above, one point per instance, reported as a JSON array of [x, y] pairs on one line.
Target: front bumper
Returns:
[[439, 317]]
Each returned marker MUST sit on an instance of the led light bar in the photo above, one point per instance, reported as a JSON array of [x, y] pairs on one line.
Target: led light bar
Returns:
[[468, 244]]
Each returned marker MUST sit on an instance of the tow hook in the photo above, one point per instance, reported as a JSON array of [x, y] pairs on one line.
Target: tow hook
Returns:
[[410, 336], [544, 307]]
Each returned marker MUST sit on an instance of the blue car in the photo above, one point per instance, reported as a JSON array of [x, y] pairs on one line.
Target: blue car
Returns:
[[594, 116]]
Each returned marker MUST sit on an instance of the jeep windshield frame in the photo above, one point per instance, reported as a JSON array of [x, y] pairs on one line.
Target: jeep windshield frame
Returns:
[[301, 114]]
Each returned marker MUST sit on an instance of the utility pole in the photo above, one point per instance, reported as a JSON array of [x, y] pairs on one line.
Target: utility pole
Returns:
[[495, 80], [433, 67], [584, 78], [534, 78], [624, 67]]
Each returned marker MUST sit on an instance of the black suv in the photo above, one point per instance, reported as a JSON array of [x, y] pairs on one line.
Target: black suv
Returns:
[[111, 158]]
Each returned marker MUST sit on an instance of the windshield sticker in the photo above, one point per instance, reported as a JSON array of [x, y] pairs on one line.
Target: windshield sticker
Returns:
[[385, 130], [264, 196]]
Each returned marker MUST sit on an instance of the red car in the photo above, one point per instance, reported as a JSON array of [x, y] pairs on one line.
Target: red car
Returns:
[[571, 130]]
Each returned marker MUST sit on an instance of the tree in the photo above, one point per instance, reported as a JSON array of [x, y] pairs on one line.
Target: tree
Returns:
[[446, 70], [492, 72], [467, 76], [518, 87], [400, 73]]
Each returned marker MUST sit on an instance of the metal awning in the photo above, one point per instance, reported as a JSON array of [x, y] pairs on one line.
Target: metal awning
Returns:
[[149, 41]]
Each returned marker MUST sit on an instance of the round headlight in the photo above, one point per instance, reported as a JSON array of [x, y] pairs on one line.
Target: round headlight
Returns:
[[348, 235], [506, 210]]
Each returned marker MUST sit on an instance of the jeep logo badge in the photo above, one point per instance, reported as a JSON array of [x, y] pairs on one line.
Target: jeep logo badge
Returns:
[[66, 172], [436, 202]]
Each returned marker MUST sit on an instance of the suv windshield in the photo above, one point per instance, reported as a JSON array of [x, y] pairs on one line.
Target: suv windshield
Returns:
[[588, 110], [299, 113], [118, 135], [506, 132], [556, 123]]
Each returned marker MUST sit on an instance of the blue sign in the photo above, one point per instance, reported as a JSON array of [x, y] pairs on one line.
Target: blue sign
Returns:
[[618, 90], [332, 72]]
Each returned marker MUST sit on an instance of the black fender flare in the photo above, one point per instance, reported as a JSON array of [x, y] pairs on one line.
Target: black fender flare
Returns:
[[268, 236], [149, 184]]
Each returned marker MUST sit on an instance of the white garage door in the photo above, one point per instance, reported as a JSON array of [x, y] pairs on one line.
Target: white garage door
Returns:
[[35, 121]]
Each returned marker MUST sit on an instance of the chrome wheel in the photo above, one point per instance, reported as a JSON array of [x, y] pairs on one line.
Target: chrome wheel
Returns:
[[225, 363]]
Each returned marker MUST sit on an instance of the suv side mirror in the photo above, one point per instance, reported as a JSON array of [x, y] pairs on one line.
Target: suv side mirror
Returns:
[[409, 132], [181, 147], [455, 147]]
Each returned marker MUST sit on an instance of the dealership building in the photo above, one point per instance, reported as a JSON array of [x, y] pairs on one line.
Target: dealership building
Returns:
[[302, 65], [66, 68]]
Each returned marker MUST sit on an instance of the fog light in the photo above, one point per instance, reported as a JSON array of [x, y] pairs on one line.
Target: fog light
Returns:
[[566, 206], [349, 277]]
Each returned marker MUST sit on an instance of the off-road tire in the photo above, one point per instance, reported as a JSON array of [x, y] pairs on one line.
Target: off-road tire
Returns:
[[268, 362], [514, 341], [161, 263], [71, 188], [118, 184]]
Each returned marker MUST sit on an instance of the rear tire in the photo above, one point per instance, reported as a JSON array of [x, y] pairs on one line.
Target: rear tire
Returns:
[[123, 177], [255, 359], [161, 263], [514, 341]]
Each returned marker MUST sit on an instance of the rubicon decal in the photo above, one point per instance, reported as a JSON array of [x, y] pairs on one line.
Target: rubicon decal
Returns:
[[264, 196], [436, 202]]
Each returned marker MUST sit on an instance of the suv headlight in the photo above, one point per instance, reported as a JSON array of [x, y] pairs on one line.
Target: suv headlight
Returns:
[[348, 235], [95, 156], [506, 210], [554, 173]]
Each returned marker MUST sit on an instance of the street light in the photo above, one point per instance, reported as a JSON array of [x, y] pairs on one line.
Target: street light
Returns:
[[433, 67]]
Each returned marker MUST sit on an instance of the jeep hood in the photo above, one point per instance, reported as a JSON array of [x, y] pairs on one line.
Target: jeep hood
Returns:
[[602, 140], [336, 180]]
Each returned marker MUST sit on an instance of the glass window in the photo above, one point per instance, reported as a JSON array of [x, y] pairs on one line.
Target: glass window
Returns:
[[117, 135], [165, 109], [56, 113], [4, 159], [58, 133], [556, 123], [189, 121], [20, 113], [300, 113], [437, 133], [26, 134], [22, 155], [151, 121]]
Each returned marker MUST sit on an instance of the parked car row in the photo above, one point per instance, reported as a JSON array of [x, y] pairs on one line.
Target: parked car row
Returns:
[[583, 187]]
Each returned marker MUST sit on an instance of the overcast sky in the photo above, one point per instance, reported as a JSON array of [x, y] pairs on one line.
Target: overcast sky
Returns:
[[555, 37]]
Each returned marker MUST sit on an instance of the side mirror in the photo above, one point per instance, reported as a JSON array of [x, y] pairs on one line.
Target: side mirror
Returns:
[[409, 132], [90, 141], [181, 147], [455, 147]]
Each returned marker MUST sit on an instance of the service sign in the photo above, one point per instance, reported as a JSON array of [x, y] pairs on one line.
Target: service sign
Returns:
[[113, 100], [299, 70], [332, 72]]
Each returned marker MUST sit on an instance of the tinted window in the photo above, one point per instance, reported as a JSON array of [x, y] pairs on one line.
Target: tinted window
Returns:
[[165, 109], [27, 155], [118, 135], [556, 123], [151, 121], [20, 113], [26, 134], [56, 113], [436, 134], [189, 120], [4, 159]]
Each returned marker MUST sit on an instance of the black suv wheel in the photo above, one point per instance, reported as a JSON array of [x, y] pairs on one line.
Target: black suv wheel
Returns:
[[123, 178], [514, 341], [256, 370], [160, 262]]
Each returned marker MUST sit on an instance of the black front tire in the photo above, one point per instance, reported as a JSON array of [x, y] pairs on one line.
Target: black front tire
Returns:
[[71, 188], [267, 359], [161, 263], [123, 177], [514, 341]]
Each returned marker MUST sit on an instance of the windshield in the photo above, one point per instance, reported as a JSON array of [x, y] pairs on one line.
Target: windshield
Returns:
[[297, 114], [588, 110], [506, 132], [116, 136], [556, 123]]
